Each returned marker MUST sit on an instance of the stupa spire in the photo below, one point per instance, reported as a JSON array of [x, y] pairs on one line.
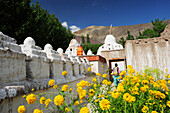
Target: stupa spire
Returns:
[[110, 30]]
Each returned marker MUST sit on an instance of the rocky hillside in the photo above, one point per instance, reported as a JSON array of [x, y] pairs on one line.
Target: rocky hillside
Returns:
[[99, 33]]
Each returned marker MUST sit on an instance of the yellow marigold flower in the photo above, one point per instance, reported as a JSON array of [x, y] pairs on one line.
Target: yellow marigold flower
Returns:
[[32, 89], [96, 100], [168, 81], [81, 101], [65, 88], [162, 95], [145, 82], [113, 108], [104, 75], [38, 111], [82, 94], [70, 89], [79, 89], [102, 66], [154, 112], [84, 110], [115, 95], [95, 85], [58, 100], [21, 109], [91, 92], [166, 93], [105, 82], [131, 71], [31, 98], [104, 104], [67, 109], [129, 66], [64, 73], [42, 100], [94, 79], [98, 74], [143, 89], [168, 103], [145, 109], [24, 96], [120, 88], [76, 103], [111, 73], [47, 102], [127, 97], [51, 82], [109, 83], [55, 87], [89, 69], [133, 99]]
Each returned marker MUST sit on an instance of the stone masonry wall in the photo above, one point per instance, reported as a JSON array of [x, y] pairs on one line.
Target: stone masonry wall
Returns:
[[27, 66]]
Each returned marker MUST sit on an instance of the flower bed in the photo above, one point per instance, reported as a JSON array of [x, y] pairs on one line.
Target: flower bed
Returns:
[[137, 93]]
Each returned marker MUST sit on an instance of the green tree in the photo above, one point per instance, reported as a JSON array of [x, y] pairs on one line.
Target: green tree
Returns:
[[150, 33], [88, 38], [82, 39], [129, 37], [32, 20], [122, 41], [159, 25], [140, 36], [92, 47]]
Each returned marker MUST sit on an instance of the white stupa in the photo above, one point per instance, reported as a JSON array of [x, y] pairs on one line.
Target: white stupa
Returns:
[[109, 44], [72, 48]]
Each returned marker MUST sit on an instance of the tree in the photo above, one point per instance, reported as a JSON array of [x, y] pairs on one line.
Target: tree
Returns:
[[159, 25], [24, 19], [150, 33], [140, 36], [92, 47], [88, 38], [129, 37], [82, 39], [122, 41]]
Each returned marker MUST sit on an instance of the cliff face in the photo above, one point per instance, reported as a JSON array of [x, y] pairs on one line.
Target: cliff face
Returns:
[[99, 33]]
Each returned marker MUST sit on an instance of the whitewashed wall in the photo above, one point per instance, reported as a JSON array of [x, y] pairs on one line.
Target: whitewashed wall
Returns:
[[27, 66]]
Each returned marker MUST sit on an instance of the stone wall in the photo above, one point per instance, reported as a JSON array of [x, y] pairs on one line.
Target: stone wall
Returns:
[[27, 66], [153, 52]]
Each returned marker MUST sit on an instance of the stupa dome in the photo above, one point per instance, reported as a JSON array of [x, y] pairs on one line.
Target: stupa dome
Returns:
[[110, 39], [73, 43]]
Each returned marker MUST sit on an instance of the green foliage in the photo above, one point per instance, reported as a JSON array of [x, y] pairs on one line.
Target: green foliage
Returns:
[[122, 41], [159, 25], [22, 20], [88, 38], [158, 28], [149, 33], [92, 47], [157, 73], [140, 36], [82, 39], [129, 37]]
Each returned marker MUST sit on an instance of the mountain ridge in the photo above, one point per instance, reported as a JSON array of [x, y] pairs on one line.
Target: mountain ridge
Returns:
[[99, 33]]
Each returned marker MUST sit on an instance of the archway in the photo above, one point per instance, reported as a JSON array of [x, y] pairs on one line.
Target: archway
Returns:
[[115, 60]]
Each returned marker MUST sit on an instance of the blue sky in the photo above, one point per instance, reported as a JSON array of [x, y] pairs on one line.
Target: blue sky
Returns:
[[78, 14]]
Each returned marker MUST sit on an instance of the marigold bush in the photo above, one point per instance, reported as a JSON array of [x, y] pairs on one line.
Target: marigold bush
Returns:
[[137, 92]]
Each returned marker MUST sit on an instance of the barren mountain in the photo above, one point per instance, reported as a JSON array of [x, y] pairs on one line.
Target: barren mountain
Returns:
[[99, 33]]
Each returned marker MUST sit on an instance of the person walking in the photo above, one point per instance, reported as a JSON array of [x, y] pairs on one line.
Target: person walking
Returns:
[[116, 72]]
